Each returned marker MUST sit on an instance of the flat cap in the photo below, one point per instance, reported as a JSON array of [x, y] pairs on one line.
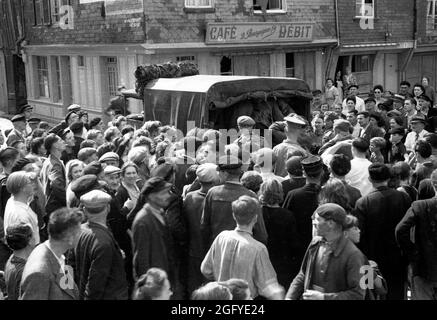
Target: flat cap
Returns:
[[94, 167], [18, 117], [394, 113], [229, 162], [95, 199], [109, 170], [398, 98], [207, 173], [332, 211], [109, 156], [342, 125], [155, 184], [7, 153], [69, 115], [296, 119], [245, 121], [85, 184], [312, 164], [64, 133], [25, 107], [74, 108], [399, 131], [418, 118]]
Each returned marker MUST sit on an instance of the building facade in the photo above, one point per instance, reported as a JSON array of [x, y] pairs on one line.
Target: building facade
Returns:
[[12, 74], [377, 40], [79, 51]]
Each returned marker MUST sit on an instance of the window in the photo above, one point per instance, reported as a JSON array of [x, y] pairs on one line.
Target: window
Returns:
[[42, 12], [431, 22], [271, 5], [198, 3], [112, 68], [289, 64], [56, 9], [226, 66], [42, 72], [58, 85], [365, 8], [361, 63], [81, 61]]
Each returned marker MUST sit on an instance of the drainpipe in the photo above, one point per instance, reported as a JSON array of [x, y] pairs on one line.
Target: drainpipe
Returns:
[[23, 31], [337, 30]]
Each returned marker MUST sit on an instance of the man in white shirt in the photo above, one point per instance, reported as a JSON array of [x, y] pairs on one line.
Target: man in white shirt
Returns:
[[352, 118], [418, 123], [359, 105], [358, 176], [17, 209]]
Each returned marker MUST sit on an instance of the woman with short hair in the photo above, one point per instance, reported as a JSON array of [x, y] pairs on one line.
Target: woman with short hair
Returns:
[[129, 191], [74, 170], [153, 285]]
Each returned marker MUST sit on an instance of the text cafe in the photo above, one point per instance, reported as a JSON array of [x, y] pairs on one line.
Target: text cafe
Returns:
[[277, 49]]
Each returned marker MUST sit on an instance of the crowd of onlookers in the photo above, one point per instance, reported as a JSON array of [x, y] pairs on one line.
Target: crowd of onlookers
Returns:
[[90, 210]]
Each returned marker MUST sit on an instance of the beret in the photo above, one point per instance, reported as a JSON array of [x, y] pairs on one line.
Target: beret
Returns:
[[332, 211], [85, 184], [245, 121], [296, 119], [312, 164], [77, 126], [109, 156], [18, 117], [229, 162], [207, 172], [155, 184], [94, 167], [95, 199]]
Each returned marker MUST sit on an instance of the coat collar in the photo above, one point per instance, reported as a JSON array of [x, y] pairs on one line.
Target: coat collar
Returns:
[[339, 244]]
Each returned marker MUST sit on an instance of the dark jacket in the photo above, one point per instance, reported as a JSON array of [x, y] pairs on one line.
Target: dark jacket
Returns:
[[282, 243], [342, 277], [379, 213], [54, 183], [99, 264], [153, 245], [371, 132], [14, 136], [422, 254], [292, 183], [217, 213], [302, 203]]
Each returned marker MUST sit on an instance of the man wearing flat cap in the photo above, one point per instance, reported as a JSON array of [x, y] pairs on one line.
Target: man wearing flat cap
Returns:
[[208, 177], [378, 213], [331, 268], [99, 272], [27, 110], [110, 159], [153, 243], [418, 132], [217, 210], [79, 187], [70, 118], [17, 134], [303, 201], [295, 127]]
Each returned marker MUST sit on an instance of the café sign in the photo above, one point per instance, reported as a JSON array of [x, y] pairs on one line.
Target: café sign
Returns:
[[228, 33]]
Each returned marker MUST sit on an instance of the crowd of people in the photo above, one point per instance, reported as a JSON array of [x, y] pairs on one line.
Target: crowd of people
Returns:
[[339, 206]]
